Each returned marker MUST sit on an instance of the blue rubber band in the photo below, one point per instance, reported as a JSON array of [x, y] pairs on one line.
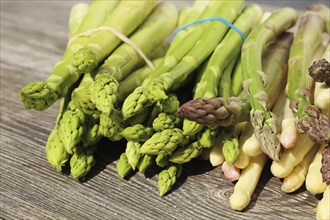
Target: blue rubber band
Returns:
[[212, 19]]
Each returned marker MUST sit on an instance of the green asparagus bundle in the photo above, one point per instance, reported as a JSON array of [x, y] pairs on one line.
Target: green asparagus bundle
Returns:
[[308, 39], [228, 49], [182, 59], [225, 112], [84, 53], [123, 60]]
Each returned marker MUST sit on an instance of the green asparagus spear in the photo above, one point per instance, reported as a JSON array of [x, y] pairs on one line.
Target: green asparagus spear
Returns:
[[145, 162], [264, 121], [179, 49], [132, 153], [225, 112], [166, 121], [72, 127], [123, 60], [207, 137], [77, 15], [137, 132], [56, 153], [84, 54], [162, 159], [230, 148], [112, 125], [82, 161], [237, 79], [322, 10], [164, 142], [134, 80], [92, 134], [167, 178], [186, 154], [123, 166], [307, 40], [81, 95]]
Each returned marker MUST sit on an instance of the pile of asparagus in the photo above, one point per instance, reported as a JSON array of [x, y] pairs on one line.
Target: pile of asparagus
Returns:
[[208, 94]]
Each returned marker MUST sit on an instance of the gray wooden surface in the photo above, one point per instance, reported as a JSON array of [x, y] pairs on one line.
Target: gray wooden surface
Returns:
[[33, 37]]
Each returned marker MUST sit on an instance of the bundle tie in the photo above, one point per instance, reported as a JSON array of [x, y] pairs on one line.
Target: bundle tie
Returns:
[[212, 19], [120, 36]]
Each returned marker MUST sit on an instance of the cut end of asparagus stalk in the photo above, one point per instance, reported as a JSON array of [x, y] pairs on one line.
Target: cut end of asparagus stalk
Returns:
[[316, 125], [320, 71], [267, 131], [38, 95], [84, 60], [325, 169], [104, 92]]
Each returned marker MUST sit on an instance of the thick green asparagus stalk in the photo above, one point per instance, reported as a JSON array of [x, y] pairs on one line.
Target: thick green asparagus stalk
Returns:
[[132, 153], [77, 15], [237, 79], [186, 154], [98, 11], [179, 49], [126, 18], [137, 132], [166, 121], [82, 161], [112, 125], [225, 112], [264, 121], [307, 40], [123, 166], [41, 95], [167, 178], [191, 13], [123, 60], [164, 142]]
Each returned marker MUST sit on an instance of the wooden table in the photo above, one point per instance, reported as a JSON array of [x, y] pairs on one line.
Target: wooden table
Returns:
[[33, 38]]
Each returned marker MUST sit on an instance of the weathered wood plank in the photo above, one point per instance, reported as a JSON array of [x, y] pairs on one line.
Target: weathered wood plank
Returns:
[[33, 37]]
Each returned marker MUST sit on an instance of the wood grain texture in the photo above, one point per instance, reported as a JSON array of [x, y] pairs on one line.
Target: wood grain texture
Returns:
[[33, 37]]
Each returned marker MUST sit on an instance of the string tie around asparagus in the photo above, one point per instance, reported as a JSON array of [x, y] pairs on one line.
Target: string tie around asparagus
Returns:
[[120, 36], [229, 24]]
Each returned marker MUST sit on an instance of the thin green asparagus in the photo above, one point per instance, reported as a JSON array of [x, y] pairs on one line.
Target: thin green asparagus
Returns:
[[77, 15], [145, 162]]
